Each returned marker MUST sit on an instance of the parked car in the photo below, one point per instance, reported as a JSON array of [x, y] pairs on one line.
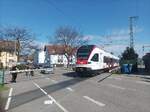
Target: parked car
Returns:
[[47, 69]]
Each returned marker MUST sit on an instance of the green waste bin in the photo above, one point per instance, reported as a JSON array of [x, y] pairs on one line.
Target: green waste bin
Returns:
[[1, 77]]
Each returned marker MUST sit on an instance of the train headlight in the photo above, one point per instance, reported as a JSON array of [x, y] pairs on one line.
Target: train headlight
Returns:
[[89, 62]]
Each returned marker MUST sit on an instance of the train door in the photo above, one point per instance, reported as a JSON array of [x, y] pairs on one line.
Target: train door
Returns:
[[95, 63], [101, 60]]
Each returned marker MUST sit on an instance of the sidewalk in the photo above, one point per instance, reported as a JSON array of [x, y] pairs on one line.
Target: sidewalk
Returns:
[[145, 76]]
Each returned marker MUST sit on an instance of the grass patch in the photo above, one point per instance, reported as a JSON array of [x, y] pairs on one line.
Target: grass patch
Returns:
[[1, 104], [2, 100], [3, 88]]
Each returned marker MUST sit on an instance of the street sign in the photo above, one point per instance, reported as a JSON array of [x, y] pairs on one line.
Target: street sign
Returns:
[[2, 77]]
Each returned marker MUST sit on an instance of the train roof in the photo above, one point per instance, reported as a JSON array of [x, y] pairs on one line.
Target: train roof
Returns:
[[102, 50]]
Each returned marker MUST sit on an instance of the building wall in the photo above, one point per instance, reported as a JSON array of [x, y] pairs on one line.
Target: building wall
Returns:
[[39, 57], [58, 59], [7, 58]]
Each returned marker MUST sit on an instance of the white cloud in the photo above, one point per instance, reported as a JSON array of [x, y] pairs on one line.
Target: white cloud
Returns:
[[122, 34], [118, 49], [89, 37], [116, 40], [39, 44], [139, 49]]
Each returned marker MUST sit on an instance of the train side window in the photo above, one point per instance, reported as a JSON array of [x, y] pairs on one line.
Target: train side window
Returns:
[[107, 59], [95, 58]]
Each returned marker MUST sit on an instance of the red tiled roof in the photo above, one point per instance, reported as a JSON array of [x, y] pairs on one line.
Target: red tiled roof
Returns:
[[6, 45], [54, 49], [57, 49]]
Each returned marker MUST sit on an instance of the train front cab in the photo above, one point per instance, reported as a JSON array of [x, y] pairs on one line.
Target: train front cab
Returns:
[[90, 65]]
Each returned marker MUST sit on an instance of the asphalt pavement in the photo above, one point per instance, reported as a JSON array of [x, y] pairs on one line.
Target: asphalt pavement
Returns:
[[64, 91]]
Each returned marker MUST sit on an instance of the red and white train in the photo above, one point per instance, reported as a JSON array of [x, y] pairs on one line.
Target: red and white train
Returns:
[[91, 59]]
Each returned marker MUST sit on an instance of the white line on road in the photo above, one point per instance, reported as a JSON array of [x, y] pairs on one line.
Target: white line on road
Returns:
[[115, 86], [50, 97], [46, 102], [54, 81], [40, 88], [94, 101], [70, 89], [47, 78], [131, 89], [9, 99], [142, 82], [117, 78], [10, 92]]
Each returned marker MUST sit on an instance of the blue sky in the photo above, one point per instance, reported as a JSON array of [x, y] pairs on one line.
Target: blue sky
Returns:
[[102, 21]]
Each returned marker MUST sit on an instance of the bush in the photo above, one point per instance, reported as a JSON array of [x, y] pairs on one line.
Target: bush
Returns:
[[21, 67]]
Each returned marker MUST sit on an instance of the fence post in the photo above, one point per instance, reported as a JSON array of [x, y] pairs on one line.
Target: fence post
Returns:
[[2, 77]]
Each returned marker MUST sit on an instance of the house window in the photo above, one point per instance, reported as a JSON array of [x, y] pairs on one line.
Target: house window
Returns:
[[10, 60], [11, 54], [60, 59]]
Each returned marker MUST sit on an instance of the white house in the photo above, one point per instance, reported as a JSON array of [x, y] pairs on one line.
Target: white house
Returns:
[[54, 55], [8, 54], [39, 57]]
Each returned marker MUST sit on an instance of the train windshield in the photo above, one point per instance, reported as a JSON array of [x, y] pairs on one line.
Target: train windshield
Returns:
[[84, 52]]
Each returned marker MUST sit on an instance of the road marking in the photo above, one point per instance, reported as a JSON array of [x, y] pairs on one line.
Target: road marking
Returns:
[[40, 88], [115, 86], [51, 98], [142, 82], [46, 102], [54, 81], [94, 101], [10, 92], [70, 89], [131, 89], [117, 78], [9, 99]]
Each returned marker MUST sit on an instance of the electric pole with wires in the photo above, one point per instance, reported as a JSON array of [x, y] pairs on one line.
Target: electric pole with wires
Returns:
[[131, 30]]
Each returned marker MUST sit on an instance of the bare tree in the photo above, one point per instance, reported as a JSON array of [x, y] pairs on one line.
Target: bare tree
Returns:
[[22, 37], [1, 33], [70, 38]]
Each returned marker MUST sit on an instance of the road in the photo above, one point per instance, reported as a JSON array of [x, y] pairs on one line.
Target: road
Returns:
[[64, 91]]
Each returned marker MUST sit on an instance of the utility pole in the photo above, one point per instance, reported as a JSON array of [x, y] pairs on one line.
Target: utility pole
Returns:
[[18, 48], [144, 46], [131, 30]]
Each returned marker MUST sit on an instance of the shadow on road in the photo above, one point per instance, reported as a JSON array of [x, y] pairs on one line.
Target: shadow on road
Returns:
[[70, 74], [142, 71], [29, 96], [75, 75], [35, 94]]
